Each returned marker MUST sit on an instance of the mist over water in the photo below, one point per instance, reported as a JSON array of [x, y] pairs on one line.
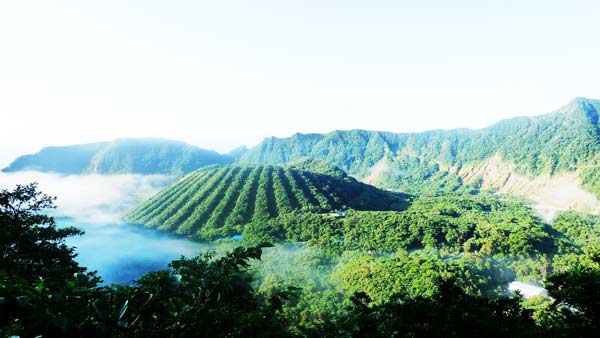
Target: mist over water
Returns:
[[90, 198], [120, 252], [123, 252]]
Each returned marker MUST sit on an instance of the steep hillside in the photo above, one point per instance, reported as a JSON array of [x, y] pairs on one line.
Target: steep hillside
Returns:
[[565, 141], [218, 201], [65, 160], [137, 156], [548, 193]]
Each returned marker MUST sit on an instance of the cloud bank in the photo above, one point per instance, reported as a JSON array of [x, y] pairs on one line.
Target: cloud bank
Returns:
[[93, 198]]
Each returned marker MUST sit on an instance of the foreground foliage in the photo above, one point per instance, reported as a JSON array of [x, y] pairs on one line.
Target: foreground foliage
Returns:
[[43, 292]]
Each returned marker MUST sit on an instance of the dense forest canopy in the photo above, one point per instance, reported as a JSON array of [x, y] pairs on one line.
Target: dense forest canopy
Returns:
[[44, 292], [337, 214], [305, 249]]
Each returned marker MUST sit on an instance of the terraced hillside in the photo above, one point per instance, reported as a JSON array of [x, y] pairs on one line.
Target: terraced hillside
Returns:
[[218, 201]]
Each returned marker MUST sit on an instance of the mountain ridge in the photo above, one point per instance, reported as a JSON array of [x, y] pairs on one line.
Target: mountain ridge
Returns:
[[120, 156], [565, 140]]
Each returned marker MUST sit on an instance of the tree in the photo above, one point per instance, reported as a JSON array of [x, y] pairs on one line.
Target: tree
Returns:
[[449, 312], [577, 298], [205, 296], [44, 292], [31, 244], [42, 288]]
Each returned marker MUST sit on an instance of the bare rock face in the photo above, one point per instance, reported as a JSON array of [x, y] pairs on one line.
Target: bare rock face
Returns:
[[549, 194]]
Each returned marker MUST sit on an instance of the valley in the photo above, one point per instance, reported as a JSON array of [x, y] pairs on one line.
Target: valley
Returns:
[[299, 169], [333, 227]]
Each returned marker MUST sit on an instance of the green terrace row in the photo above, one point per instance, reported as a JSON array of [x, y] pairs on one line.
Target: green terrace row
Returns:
[[217, 201]]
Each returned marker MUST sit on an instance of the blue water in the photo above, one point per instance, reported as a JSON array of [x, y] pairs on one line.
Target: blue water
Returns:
[[122, 252]]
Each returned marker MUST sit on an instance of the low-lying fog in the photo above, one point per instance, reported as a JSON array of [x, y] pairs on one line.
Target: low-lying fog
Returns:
[[120, 252], [90, 198]]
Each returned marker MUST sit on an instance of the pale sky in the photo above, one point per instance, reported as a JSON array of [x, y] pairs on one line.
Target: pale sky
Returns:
[[220, 74]]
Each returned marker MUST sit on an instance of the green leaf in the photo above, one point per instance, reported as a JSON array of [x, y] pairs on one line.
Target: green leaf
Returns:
[[123, 310], [150, 297], [40, 286]]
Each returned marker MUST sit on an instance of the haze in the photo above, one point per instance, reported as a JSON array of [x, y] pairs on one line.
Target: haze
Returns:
[[224, 74], [90, 198]]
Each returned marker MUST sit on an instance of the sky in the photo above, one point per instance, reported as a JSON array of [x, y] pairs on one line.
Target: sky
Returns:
[[221, 74]]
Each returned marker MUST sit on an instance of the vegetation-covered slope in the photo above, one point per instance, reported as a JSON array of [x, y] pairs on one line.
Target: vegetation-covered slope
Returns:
[[439, 161], [217, 201], [563, 141], [73, 159], [486, 224], [45, 292], [122, 156]]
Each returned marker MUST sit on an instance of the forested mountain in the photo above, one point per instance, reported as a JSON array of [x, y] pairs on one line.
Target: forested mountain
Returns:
[[219, 201], [540, 157], [301, 292], [566, 141], [73, 159], [122, 156], [564, 144]]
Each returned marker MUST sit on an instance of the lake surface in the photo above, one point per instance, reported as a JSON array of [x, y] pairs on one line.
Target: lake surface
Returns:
[[94, 203], [123, 252]]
